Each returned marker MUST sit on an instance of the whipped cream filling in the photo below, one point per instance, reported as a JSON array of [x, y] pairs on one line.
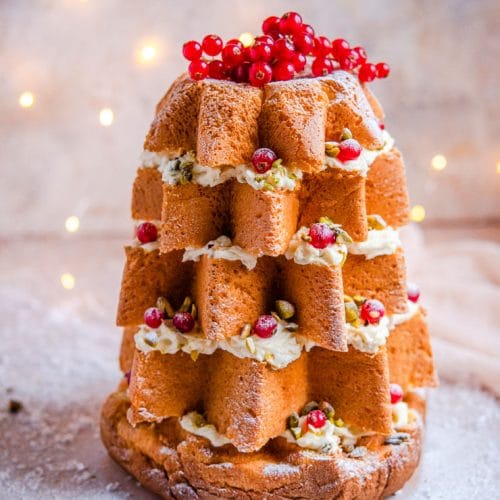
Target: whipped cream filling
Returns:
[[302, 252], [379, 242], [152, 245], [370, 337], [194, 423], [327, 439], [364, 160], [278, 351], [398, 319], [402, 415], [221, 248], [278, 177]]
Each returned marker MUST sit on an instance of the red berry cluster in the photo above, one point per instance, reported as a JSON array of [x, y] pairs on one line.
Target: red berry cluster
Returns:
[[396, 392], [184, 321], [281, 52]]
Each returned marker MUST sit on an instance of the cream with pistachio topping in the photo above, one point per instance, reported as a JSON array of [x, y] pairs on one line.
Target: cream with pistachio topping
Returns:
[[370, 337], [302, 252], [379, 242], [327, 439], [365, 159], [183, 169], [278, 177], [194, 423], [221, 248], [277, 351]]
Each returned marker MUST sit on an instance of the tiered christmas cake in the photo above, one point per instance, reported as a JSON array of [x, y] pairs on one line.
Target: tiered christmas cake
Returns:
[[272, 347]]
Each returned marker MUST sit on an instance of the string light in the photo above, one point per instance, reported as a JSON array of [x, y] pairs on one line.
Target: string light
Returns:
[[439, 162], [247, 39], [417, 213], [498, 167], [106, 117], [68, 281], [26, 100], [72, 224]]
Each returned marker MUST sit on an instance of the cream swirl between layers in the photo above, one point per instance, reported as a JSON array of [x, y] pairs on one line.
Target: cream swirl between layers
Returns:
[[370, 337], [152, 245], [278, 177], [364, 161], [194, 423], [221, 248], [278, 351], [402, 415], [302, 252], [398, 319], [327, 439], [379, 242]]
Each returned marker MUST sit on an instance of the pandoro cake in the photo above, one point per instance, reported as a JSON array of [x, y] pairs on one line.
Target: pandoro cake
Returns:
[[272, 347]]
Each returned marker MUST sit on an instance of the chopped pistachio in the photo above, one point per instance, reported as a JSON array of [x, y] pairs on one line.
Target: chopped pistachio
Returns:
[[306, 237], [351, 312], [376, 222], [327, 409], [268, 186], [194, 311], [276, 316], [250, 345], [346, 134], [164, 305], [326, 220], [293, 420], [344, 258], [199, 420], [339, 422], [359, 299], [332, 149], [277, 163], [246, 331], [194, 355], [292, 327], [284, 309], [295, 432], [312, 405], [348, 448], [342, 236], [268, 357], [348, 298], [186, 305]]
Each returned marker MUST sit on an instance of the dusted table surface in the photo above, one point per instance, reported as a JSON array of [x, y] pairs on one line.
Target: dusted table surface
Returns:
[[59, 359]]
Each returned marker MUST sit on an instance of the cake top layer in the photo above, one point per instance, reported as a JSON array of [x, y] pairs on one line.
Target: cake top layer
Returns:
[[287, 48], [225, 122]]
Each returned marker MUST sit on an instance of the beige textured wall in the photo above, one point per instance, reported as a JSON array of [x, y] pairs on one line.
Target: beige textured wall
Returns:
[[78, 56]]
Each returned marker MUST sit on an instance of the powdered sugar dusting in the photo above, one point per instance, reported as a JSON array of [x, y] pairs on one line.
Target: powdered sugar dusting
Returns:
[[280, 469]]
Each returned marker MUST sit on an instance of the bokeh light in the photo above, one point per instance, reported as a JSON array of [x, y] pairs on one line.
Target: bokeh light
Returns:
[[247, 39], [439, 162], [417, 213], [72, 224], [26, 99], [106, 117], [68, 281]]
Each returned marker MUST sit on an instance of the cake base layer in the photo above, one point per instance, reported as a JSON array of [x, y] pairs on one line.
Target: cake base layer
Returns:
[[175, 464]]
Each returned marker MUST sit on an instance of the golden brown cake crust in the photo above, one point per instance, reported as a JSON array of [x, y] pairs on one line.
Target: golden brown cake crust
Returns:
[[173, 464]]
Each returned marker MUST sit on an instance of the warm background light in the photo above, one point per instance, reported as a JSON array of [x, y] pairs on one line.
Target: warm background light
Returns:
[[498, 167], [147, 54], [106, 117], [247, 39], [417, 213], [26, 100], [68, 281], [439, 162], [72, 224]]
